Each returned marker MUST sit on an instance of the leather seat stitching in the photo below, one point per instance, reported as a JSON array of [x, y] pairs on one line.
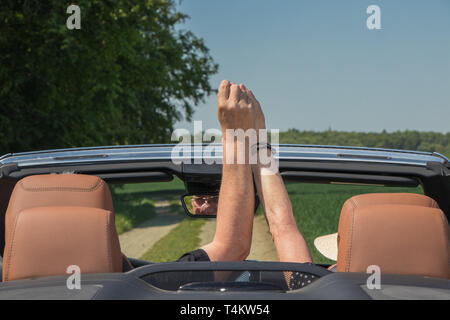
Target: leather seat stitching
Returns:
[[11, 245], [108, 243], [98, 184], [349, 250]]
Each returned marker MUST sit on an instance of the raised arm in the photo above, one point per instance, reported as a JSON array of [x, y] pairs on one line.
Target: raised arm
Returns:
[[233, 235], [289, 243]]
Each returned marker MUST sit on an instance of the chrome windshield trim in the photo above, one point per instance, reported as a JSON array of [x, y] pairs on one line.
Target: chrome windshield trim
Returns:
[[163, 152]]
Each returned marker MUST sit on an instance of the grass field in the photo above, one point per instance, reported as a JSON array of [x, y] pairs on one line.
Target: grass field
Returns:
[[182, 239], [316, 210]]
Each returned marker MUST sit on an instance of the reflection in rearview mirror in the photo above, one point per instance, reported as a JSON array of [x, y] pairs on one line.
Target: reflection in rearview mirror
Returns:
[[200, 205]]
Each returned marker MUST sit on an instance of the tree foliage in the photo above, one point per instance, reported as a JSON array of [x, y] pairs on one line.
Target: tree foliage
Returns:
[[125, 77]]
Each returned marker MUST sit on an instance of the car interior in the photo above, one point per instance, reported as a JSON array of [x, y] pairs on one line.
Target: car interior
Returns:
[[56, 220]]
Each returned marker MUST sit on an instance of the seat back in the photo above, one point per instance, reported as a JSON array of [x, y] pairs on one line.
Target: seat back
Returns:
[[45, 241], [58, 190], [398, 238]]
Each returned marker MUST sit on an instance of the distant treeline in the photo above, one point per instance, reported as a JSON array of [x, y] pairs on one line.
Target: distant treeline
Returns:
[[406, 140]]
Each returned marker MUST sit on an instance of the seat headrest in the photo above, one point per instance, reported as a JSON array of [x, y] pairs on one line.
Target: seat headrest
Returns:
[[327, 244], [400, 239], [57, 190], [46, 240], [369, 199]]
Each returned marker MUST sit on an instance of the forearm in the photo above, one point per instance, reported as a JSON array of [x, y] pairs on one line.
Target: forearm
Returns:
[[232, 239], [290, 244]]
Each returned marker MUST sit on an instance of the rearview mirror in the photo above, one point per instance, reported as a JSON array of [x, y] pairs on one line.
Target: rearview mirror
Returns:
[[200, 205], [204, 205]]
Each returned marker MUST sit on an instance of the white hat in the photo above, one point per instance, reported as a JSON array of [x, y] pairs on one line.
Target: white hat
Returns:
[[327, 245]]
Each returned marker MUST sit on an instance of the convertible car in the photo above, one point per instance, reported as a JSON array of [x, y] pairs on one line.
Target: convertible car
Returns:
[[56, 211]]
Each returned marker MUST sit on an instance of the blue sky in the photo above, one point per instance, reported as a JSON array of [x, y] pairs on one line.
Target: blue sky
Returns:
[[314, 64]]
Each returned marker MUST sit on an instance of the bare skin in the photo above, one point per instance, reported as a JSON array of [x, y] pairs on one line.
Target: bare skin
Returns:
[[205, 205], [237, 108], [235, 214], [290, 244]]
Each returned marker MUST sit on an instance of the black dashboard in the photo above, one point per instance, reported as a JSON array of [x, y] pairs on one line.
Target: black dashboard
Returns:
[[225, 281]]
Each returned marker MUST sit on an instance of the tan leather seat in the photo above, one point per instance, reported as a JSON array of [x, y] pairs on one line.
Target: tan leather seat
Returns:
[[380, 229], [45, 241], [389, 198], [328, 244], [57, 190], [61, 190]]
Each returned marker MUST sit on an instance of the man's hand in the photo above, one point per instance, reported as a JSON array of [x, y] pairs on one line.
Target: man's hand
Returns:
[[289, 242], [235, 109], [260, 121], [235, 213]]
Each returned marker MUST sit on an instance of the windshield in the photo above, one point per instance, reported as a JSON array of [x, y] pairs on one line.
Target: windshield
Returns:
[[152, 225]]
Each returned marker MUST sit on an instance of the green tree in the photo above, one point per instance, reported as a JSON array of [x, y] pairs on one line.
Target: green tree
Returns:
[[406, 140], [125, 77]]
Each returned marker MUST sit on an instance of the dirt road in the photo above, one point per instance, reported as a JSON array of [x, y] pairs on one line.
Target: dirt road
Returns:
[[139, 240]]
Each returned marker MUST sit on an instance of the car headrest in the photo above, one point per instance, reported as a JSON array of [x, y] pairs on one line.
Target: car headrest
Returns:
[[327, 244], [400, 239], [369, 199], [45, 241], [57, 190]]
